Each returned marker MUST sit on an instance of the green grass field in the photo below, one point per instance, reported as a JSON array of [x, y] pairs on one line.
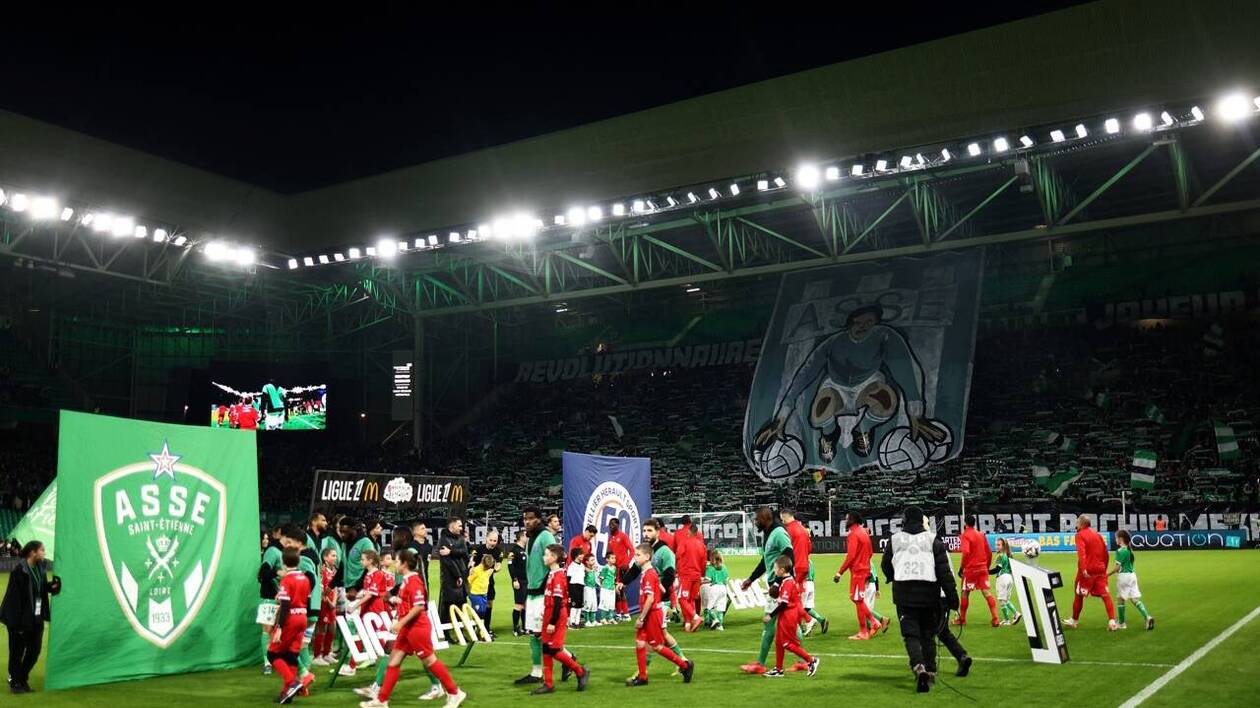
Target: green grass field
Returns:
[[1196, 595]]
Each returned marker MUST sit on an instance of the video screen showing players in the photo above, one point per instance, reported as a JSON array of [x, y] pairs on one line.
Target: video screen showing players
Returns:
[[271, 404]]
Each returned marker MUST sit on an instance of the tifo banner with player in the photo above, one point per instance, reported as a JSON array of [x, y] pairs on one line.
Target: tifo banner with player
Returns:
[[598, 489], [865, 365], [40, 522], [157, 528], [344, 490]]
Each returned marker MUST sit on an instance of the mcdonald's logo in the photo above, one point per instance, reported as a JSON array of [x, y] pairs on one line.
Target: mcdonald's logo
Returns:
[[457, 493], [372, 491], [464, 619]]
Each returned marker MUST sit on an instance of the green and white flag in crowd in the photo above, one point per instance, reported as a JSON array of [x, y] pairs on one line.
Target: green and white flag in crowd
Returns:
[[40, 521], [1060, 441], [157, 529], [1144, 459], [1056, 483], [1142, 479], [1226, 443], [1068, 445], [1154, 414]]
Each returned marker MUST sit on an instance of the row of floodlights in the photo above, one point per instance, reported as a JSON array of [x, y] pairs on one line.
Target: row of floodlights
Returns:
[[45, 208], [807, 177]]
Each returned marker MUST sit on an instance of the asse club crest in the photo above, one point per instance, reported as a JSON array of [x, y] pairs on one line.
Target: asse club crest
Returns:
[[160, 526]]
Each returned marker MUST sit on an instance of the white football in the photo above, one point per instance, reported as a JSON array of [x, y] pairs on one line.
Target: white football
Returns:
[[783, 459], [899, 453], [939, 451], [1031, 549]]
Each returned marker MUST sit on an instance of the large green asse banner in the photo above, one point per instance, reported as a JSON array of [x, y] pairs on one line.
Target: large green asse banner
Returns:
[[157, 548]]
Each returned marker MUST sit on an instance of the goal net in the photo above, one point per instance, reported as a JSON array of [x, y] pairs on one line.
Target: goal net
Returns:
[[728, 532]]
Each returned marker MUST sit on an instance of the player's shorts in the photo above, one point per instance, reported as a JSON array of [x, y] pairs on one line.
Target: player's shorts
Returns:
[[479, 604], [868, 595], [607, 599], [716, 597], [785, 631], [274, 421], [534, 614], [1127, 586], [689, 588], [807, 594], [555, 639], [416, 638], [1095, 585], [590, 598], [291, 635], [975, 580], [1005, 583], [653, 629], [327, 613], [857, 585]]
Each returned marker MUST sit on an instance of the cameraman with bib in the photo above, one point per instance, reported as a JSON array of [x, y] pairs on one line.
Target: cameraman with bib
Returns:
[[917, 565]]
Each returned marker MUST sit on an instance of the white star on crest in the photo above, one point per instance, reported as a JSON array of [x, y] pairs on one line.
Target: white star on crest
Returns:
[[164, 461]]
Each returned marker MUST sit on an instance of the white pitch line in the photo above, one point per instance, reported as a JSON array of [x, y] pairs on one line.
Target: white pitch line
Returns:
[[1189, 661], [899, 657]]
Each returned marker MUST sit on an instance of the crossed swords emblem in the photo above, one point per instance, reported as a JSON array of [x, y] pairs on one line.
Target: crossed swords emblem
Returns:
[[158, 562]]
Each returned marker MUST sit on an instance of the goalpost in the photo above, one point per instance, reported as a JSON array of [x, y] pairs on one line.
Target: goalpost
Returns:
[[731, 533]]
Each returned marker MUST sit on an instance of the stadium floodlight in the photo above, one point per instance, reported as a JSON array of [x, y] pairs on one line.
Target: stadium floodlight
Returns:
[[671, 202], [881, 165], [779, 182], [619, 209], [1256, 101], [244, 256], [1196, 112], [692, 198], [19, 202], [1143, 122], [293, 264], [386, 248], [354, 254], [124, 225], [594, 213], [471, 235], [857, 170], [339, 257], [485, 230], [308, 261], [44, 208], [1233, 108], [418, 243], [1057, 136], [808, 177], [403, 246], [1026, 141], [433, 240], [67, 214], [918, 157], [575, 217], [561, 309], [713, 193], [180, 240], [651, 205], [217, 251], [973, 149], [906, 162], [3, 197], [1165, 119], [1112, 126], [141, 231], [1001, 145], [371, 251], [1081, 130], [559, 220], [734, 189], [323, 259], [87, 219], [454, 237], [693, 289], [763, 185], [159, 235], [945, 155], [104, 222], [638, 206]]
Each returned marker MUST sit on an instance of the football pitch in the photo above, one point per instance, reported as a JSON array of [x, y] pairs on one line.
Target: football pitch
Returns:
[[1191, 658]]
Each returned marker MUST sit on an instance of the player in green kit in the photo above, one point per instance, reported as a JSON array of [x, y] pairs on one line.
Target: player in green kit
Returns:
[[716, 595], [777, 544], [269, 582], [536, 571], [1005, 583], [1126, 580], [808, 602], [607, 581]]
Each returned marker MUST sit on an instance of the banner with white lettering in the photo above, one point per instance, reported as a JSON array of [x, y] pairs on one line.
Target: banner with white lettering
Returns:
[[404, 493], [690, 356]]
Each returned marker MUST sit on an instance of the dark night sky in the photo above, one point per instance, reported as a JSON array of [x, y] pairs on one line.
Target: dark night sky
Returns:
[[300, 102]]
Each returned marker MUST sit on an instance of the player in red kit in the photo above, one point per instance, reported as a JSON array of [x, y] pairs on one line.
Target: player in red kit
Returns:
[[650, 625], [413, 635], [1091, 573], [290, 627], [691, 565], [976, 559], [790, 612], [555, 613], [247, 415], [374, 596], [326, 629], [857, 560], [619, 543]]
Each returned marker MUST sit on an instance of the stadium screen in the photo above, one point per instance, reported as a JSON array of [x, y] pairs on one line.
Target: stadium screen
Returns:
[[268, 404]]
